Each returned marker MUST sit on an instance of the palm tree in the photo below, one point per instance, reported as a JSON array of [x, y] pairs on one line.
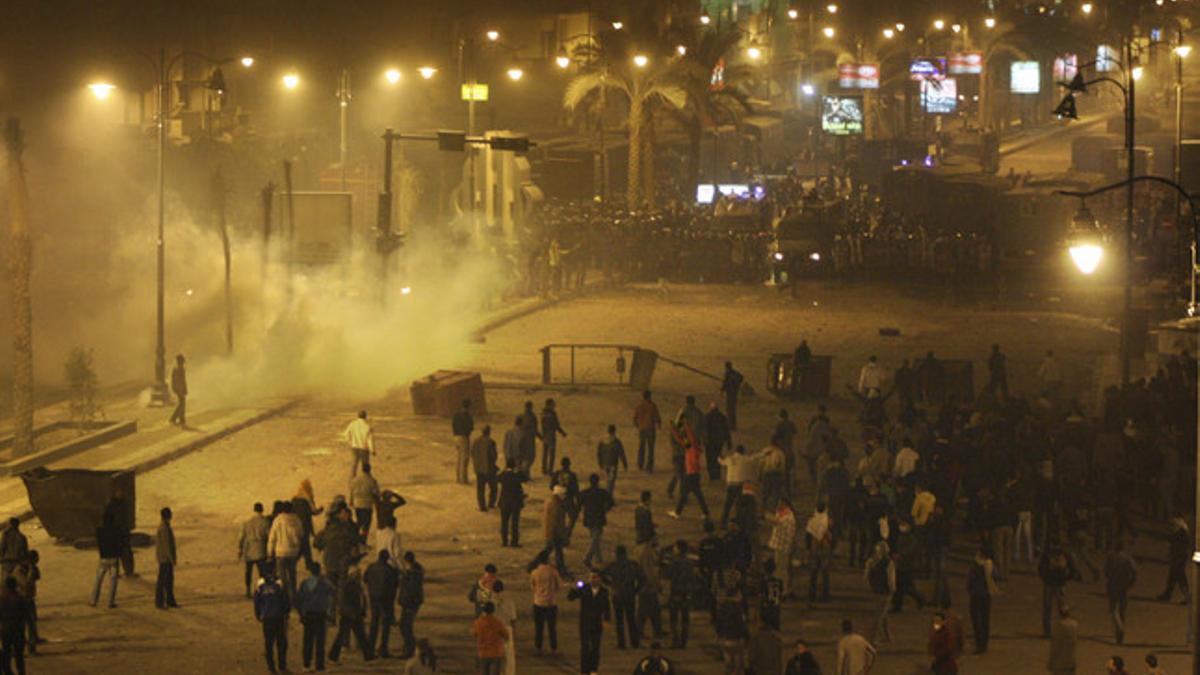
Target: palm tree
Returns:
[[646, 80]]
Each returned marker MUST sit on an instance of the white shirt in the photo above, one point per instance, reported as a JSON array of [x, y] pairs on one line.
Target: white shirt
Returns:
[[818, 526], [870, 377], [387, 539], [741, 468], [359, 435], [906, 461]]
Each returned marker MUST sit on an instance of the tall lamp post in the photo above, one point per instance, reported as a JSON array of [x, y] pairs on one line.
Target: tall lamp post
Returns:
[[1066, 109], [1086, 264], [159, 394]]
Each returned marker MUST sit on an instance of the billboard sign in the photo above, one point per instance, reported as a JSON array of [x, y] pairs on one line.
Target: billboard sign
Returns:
[[966, 63], [1106, 59], [842, 115], [1065, 67], [1025, 77], [939, 97], [927, 67], [858, 75]]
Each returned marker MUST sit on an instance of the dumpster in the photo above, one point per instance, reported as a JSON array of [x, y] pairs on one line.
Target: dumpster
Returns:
[[813, 384], [442, 393], [70, 502]]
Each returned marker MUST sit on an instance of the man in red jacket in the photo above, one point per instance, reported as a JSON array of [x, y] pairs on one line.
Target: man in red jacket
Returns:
[[693, 460]]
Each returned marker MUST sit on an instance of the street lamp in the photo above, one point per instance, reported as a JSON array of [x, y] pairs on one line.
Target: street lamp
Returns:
[[392, 76], [828, 31], [807, 89], [705, 19], [562, 60], [247, 61], [1137, 72], [290, 81], [888, 33], [899, 27], [681, 50], [515, 73], [101, 90], [990, 22], [754, 53], [831, 8], [640, 60], [427, 72], [793, 13], [492, 35], [1084, 241], [957, 28], [618, 25], [1182, 51], [1086, 7], [939, 24]]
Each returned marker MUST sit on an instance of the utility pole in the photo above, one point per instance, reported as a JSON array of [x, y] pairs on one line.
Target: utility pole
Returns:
[[158, 392], [343, 94], [1129, 222], [22, 304]]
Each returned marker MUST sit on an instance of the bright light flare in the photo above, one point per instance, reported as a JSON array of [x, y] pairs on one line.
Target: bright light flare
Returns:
[[957, 28], [815, 257], [831, 8], [1137, 72], [618, 25], [705, 19], [407, 290], [778, 256], [939, 24], [247, 61], [889, 33], [808, 89], [828, 31], [754, 53], [1182, 51], [640, 60], [1086, 7], [793, 13], [492, 35], [427, 72], [392, 76], [101, 90], [291, 81], [562, 61], [989, 22], [681, 50], [899, 27], [515, 73], [1086, 257]]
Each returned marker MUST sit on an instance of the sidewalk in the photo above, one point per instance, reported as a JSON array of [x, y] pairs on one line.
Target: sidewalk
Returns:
[[155, 443]]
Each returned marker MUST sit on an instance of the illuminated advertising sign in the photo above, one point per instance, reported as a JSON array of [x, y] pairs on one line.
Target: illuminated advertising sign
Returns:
[[1025, 77], [1065, 67], [939, 97], [927, 67], [475, 92], [858, 75], [966, 63], [842, 115], [1106, 59]]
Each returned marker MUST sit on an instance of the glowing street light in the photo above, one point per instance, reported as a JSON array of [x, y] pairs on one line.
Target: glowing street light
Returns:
[[391, 75], [1084, 242], [899, 27], [889, 33], [828, 31], [515, 73], [492, 35], [1137, 72], [793, 13], [754, 53], [618, 25], [640, 60], [939, 24], [101, 90], [807, 89], [831, 8], [247, 61], [1086, 7], [291, 81], [1182, 51], [427, 72], [705, 19], [562, 60], [681, 50], [990, 22], [957, 28]]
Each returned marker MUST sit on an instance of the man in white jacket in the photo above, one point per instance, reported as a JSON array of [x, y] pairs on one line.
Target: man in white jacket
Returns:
[[870, 377], [283, 545]]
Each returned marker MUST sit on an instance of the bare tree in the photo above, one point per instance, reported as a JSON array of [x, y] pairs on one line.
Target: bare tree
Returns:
[[20, 270]]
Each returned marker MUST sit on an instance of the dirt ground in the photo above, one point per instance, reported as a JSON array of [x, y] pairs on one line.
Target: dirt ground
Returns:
[[211, 491]]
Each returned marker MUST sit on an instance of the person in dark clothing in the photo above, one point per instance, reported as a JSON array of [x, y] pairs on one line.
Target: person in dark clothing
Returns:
[[710, 553], [626, 578], [803, 663], [351, 609], [411, 595], [551, 429], [771, 596], [931, 378], [655, 664], [731, 386], [271, 608], [716, 439], [512, 500], [119, 508], [596, 503], [180, 389], [382, 581], [1055, 569], [594, 612], [567, 478], [14, 617], [483, 459], [610, 456], [314, 602], [462, 424], [682, 576], [801, 360], [905, 557], [1120, 573], [997, 372], [1179, 550], [643, 520], [980, 588], [164, 586], [904, 383]]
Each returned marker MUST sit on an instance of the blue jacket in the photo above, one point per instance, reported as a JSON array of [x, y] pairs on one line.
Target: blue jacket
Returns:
[[315, 596], [271, 601]]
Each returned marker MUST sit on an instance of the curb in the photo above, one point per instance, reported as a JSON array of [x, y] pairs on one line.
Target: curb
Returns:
[[507, 316], [1030, 142]]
